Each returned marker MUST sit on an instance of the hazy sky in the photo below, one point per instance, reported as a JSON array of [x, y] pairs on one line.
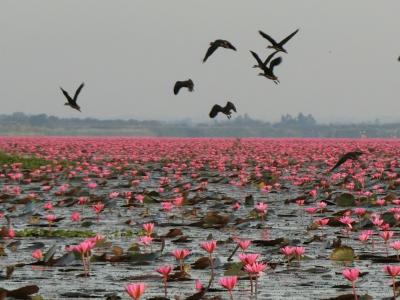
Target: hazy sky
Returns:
[[341, 66]]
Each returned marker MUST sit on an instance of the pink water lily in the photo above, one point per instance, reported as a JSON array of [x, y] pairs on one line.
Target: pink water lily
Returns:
[[393, 271], [135, 290], [180, 255], [165, 271], [352, 275], [203, 181], [37, 254], [248, 259], [229, 283], [148, 228], [244, 244], [75, 216]]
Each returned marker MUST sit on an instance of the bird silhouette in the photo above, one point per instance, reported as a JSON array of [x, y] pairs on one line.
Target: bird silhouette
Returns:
[[215, 45], [225, 110], [275, 45], [268, 71], [72, 101], [180, 84], [354, 155]]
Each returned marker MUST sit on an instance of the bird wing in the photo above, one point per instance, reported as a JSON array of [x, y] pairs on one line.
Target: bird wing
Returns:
[[230, 106], [190, 85], [266, 36], [270, 57], [78, 91], [214, 46], [341, 161], [177, 87], [70, 100], [286, 39], [230, 46], [274, 63], [215, 110], [255, 55]]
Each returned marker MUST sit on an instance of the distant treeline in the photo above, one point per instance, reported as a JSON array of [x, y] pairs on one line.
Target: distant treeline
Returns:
[[241, 126]]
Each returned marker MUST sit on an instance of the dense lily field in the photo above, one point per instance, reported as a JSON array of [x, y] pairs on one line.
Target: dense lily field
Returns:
[[130, 218]]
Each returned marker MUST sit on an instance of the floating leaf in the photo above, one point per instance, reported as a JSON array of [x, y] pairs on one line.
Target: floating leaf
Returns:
[[351, 297], [201, 263], [197, 296], [147, 199], [134, 247], [23, 292], [153, 194], [182, 239], [174, 232], [9, 271], [2, 250], [390, 197], [213, 219], [318, 270], [345, 199], [116, 250], [379, 259], [38, 232], [249, 200], [275, 242], [113, 297], [66, 260], [76, 295], [235, 269], [50, 253], [180, 275], [343, 253], [389, 218]]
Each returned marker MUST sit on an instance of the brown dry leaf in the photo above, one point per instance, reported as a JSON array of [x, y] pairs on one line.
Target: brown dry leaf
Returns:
[[118, 251], [173, 233], [201, 263], [179, 276], [34, 220], [182, 239], [213, 219], [2, 250], [9, 271], [23, 292], [278, 241]]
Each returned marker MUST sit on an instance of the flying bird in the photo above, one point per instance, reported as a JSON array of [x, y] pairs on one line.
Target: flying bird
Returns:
[[180, 84], [225, 110], [268, 71], [72, 101], [275, 45], [215, 45], [354, 155]]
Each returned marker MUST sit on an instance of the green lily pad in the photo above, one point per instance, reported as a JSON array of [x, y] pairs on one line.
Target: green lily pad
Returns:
[[345, 199], [389, 218], [249, 200], [235, 269], [39, 232], [148, 199], [343, 253]]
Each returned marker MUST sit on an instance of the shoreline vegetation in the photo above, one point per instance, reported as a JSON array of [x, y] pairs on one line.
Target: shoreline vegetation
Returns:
[[27, 162], [241, 126]]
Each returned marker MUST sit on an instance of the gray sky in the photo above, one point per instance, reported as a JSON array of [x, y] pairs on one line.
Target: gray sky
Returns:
[[341, 66]]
